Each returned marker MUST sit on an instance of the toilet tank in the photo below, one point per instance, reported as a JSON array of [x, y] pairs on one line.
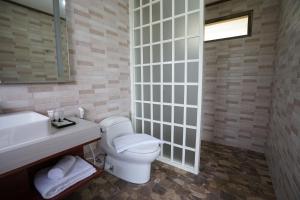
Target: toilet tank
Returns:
[[113, 127]]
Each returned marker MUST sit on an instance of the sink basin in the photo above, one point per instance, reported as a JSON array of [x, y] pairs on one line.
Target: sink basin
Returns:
[[21, 127], [25, 138]]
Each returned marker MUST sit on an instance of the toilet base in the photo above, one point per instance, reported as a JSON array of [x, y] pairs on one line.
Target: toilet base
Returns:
[[132, 172]]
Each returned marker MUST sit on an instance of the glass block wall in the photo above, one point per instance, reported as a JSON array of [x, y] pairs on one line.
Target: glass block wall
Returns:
[[167, 49]]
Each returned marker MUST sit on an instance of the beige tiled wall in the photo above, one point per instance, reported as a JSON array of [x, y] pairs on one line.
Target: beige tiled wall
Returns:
[[238, 78], [283, 146], [99, 57]]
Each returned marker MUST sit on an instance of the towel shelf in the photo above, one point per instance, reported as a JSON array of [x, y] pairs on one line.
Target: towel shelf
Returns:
[[74, 187], [18, 183]]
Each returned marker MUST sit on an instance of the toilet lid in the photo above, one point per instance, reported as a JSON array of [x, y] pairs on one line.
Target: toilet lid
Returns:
[[143, 149], [137, 143]]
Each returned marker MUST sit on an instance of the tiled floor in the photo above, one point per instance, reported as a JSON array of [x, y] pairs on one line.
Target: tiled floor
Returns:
[[226, 173]]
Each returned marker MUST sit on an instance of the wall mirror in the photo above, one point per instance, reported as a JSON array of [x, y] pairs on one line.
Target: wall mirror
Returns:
[[33, 41]]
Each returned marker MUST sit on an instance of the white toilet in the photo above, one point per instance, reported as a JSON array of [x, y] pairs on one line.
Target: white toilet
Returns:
[[129, 155]]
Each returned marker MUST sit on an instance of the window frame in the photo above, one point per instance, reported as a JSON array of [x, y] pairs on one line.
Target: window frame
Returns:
[[248, 13]]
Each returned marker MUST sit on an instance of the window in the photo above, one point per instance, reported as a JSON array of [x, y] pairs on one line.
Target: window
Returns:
[[233, 26]]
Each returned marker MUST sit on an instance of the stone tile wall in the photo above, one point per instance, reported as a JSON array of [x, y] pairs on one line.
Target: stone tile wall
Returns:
[[238, 78], [283, 146], [99, 58]]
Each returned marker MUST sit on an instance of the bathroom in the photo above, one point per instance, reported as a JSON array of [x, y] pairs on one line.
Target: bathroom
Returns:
[[215, 83]]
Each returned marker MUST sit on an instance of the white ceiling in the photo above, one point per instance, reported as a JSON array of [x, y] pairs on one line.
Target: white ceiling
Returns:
[[42, 5]]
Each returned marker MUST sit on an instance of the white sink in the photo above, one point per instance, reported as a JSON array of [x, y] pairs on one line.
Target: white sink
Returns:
[[21, 127], [26, 138]]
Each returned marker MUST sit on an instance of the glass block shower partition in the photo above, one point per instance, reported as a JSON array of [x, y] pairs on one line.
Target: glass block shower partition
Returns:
[[166, 68]]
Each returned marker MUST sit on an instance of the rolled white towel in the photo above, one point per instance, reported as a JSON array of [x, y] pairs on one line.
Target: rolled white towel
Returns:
[[49, 188], [61, 168]]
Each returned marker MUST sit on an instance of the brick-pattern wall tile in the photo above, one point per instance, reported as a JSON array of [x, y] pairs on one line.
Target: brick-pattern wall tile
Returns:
[[238, 78], [283, 146]]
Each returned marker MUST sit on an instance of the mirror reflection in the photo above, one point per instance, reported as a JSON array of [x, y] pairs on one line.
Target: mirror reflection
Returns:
[[33, 41]]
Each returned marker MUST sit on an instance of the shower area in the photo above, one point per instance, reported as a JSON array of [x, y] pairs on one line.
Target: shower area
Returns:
[[166, 70]]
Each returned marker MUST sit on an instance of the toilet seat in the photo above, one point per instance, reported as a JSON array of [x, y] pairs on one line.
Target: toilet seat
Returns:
[[144, 149]]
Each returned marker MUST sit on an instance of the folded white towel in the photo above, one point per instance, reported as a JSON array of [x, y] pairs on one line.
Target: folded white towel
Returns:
[[61, 168], [125, 142], [49, 188]]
